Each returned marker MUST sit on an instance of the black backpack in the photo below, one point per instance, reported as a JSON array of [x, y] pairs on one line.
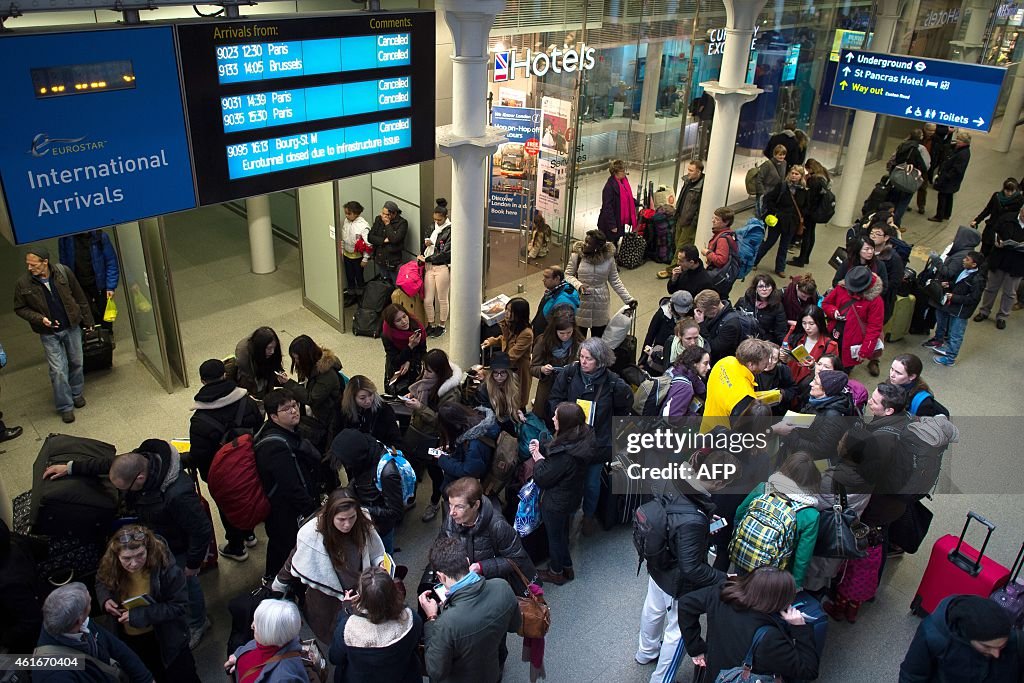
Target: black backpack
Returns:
[[824, 205], [652, 534], [751, 329]]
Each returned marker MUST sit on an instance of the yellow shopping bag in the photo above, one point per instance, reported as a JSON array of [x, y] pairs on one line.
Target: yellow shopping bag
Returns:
[[110, 314]]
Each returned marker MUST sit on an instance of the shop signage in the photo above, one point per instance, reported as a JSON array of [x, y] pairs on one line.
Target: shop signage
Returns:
[[716, 41], [935, 18], [537, 64], [1007, 10], [931, 90]]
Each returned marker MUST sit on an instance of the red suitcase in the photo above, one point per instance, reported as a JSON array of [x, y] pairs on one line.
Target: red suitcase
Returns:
[[955, 568]]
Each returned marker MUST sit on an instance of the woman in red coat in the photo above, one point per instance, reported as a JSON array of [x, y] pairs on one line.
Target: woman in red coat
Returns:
[[856, 308]]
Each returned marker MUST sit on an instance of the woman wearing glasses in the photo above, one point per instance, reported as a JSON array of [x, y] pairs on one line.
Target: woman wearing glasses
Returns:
[[143, 590], [763, 300]]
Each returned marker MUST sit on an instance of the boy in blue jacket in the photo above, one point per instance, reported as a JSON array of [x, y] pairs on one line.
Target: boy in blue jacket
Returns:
[[961, 297]]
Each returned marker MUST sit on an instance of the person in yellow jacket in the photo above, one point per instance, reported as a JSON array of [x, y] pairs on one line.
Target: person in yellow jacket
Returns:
[[731, 379]]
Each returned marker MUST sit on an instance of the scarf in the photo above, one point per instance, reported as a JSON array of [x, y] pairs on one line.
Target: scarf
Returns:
[[561, 352], [590, 379], [420, 389], [760, 304], [811, 400], [400, 338], [627, 209], [467, 580], [780, 483]]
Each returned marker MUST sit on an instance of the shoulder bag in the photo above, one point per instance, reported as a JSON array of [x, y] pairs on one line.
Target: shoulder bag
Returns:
[[535, 613], [799, 214], [840, 533]]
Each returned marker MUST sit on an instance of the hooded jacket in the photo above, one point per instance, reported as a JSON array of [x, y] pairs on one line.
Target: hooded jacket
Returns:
[[939, 653], [322, 393], [388, 254], [289, 467], [562, 295], [886, 468], [685, 385], [560, 475], [965, 240], [360, 455], [471, 456], [492, 542], [364, 651], [424, 418], [595, 272], [219, 407], [662, 327], [689, 512], [966, 294], [864, 313]]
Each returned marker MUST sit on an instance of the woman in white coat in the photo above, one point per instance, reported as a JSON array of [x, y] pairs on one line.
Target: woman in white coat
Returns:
[[591, 269]]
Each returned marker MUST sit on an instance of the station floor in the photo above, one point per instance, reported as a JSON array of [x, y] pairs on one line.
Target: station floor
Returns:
[[594, 631]]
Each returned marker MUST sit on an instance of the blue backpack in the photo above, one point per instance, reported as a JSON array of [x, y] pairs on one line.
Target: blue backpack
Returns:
[[533, 428], [404, 469], [749, 239]]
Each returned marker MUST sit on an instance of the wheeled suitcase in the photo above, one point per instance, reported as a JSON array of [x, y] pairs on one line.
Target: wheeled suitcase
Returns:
[[955, 568], [1011, 596], [898, 325], [98, 350], [815, 616], [620, 495], [80, 506]]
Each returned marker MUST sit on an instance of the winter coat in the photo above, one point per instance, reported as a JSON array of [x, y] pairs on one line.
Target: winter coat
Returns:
[[595, 272], [364, 651], [462, 644], [389, 255], [289, 472], [771, 318], [30, 299], [168, 615], [966, 294], [216, 411], [909, 151], [939, 653], [541, 357], [693, 281], [396, 355], [102, 255], [681, 392], [519, 348], [322, 394], [724, 332], [998, 205], [831, 422], [791, 302], [953, 169], [562, 295], [886, 468], [100, 644], [381, 424], [782, 379], [788, 651], [310, 565], [246, 374], [562, 472], [806, 521], [471, 455], [688, 204], [360, 455], [441, 251], [824, 346], [875, 266], [662, 327], [351, 231], [788, 203], [867, 307], [289, 670], [609, 396], [424, 418], [892, 264], [728, 383], [786, 138], [609, 220], [965, 240], [688, 520], [1007, 259], [492, 542], [770, 174], [21, 606]]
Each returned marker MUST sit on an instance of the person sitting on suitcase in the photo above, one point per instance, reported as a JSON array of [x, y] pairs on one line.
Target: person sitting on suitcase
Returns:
[[55, 305], [967, 639]]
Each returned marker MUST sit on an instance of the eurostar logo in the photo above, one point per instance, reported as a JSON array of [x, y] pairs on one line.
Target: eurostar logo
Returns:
[[41, 144]]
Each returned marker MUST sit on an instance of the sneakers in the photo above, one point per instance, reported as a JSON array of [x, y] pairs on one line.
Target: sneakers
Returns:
[[10, 433], [79, 401], [68, 416], [197, 635], [431, 512], [933, 343], [941, 350], [944, 360], [238, 555], [251, 540]]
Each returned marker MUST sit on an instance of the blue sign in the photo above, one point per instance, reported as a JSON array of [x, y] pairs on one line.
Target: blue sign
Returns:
[[512, 167], [931, 90], [520, 123], [94, 132]]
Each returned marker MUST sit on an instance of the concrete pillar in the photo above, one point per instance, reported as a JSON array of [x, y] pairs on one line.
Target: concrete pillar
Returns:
[[848, 199], [468, 141], [652, 76], [1012, 113], [974, 36], [730, 92], [261, 235]]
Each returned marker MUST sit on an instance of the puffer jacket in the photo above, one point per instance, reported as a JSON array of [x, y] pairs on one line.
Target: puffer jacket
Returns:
[[218, 406], [388, 254], [322, 393], [360, 455], [562, 295], [560, 475], [689, 515], [867, 307], [492, 542], [595, 272], [831, 422], [471, 456]]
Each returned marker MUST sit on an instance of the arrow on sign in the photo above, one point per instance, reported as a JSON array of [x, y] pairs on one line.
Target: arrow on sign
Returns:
[[980, 121], [846, 71], [843, 84], [849, 57]]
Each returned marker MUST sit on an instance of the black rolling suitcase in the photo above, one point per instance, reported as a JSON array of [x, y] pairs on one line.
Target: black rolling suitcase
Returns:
[[98, 350], [80, 507], [620, 496]]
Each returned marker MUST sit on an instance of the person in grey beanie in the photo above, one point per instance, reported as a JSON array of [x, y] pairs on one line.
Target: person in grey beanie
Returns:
[[387, 235]]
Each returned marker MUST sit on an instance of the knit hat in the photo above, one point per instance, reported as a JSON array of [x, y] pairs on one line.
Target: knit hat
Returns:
[[977, 618], [832, 382], [391, 207], [858, 279], [682, 302], [40, 252], [500, 361], [351, 447], [212, 370]]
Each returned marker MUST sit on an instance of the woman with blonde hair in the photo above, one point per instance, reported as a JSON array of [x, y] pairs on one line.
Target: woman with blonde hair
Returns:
[[143, 590], [788, 203], [818, 180], [363, 408], [501, 393]]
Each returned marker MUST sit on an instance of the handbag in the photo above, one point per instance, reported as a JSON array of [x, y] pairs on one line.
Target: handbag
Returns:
[[840, 533], [535, 613], [743, 674], [910, 530], [860, 577], [800, 216]]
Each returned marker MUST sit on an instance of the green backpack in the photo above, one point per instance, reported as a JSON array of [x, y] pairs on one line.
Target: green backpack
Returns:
[[766, 536]]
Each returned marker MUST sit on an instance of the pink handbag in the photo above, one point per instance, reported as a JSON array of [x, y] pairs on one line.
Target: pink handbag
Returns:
[[860, 577]]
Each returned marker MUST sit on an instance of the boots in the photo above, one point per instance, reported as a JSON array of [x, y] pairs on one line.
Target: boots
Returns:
[[873, 368], [836, 608], [852, 607], [557, 578]]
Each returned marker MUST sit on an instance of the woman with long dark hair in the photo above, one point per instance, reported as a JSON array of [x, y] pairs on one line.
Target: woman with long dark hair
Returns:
[[319, 388], [363, 408], [560, 470], [516, 340], [764, 300], [257, 367], [140, 586], [331, 551], [860, 251], [557, 347], [802, 291], [812, 335], [405, 343], [467, 438]]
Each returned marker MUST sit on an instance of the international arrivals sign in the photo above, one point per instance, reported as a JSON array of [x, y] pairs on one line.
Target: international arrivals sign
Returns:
[[558, 60]]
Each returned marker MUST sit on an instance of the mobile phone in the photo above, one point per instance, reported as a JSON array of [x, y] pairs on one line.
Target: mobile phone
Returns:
[[406, 399], [720, 523], [436, 452], [441, 592]]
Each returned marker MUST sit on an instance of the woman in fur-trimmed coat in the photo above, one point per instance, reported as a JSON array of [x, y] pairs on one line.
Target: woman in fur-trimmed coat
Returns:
[[591, 269]]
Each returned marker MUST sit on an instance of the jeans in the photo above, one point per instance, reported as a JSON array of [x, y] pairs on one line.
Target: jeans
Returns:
[[902, 201], [951, 330], [196, 600], [388, 540], [389, 275], [998, 279], [784, 236], [64, 354], [353, 272], [592, 489], [557, 525], [659, 634]]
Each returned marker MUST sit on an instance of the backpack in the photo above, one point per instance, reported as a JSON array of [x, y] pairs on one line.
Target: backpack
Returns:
[[859, 393], [825, 206], [659, 240], [751, 329], [749, 239], [766, 536], [650, 395], [652, 534], [367, 320], [404, 469], [235, 484], [533, 428], [410, 278], [723, 278], [879, 194], [750, 180], [919, 398], [922, 442], [902, 248], [503, 464]]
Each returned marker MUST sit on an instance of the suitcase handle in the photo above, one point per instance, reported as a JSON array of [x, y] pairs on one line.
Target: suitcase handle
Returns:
[[971, 566], [1015, 570]]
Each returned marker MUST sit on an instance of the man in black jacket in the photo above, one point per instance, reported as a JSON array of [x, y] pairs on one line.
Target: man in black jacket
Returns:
[[288, 466], [1005, 268], [223, 410], [360, 455], [690, 275], [690, 512], [719, 324]]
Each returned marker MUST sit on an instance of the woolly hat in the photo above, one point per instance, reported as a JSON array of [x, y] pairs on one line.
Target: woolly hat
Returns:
[[41, 252], [212, 370], [832, 382], [977, 618]]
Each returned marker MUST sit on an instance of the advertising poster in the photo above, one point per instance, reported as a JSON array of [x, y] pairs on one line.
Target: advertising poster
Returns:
[[551, 189], [556, 134], [510, 97], [512, 166]]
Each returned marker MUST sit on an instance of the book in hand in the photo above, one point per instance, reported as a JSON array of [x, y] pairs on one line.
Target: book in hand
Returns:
[[798, 420], [799, 353], [138, 601]]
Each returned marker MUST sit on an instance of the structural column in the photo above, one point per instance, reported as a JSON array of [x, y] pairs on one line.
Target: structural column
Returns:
[[1012, 112], [468, 141], [261, 235], [652, 79], [848, 196], [730, 92], [974, 36]]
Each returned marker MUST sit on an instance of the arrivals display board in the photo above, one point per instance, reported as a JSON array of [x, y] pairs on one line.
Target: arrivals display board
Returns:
[[94, 131], [280, 103]]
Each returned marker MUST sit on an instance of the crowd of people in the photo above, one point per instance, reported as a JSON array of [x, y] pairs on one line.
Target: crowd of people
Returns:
[[329, 463]]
